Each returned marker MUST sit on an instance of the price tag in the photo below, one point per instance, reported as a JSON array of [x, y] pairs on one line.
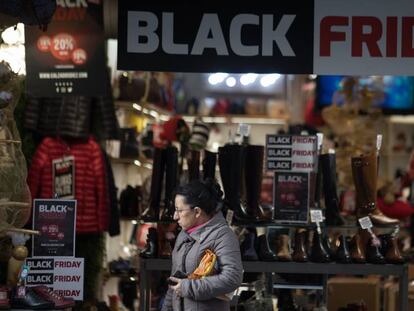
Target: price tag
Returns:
[[244, 129], [229, 216], [316, 215], [365, 222], [379, 142]]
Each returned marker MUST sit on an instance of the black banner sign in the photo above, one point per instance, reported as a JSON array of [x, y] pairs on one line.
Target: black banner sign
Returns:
[[56, 221], [205, 37], [291, 197], [68, 59]]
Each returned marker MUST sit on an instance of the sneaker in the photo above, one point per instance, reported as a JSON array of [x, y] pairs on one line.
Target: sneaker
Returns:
[[4, 298], [48, 294], [29, 300]]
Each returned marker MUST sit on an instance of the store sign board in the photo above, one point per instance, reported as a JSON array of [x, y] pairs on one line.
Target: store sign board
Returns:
[[64, 275], [56, 221], [291, 197], [316, 36], [164, 36], [364, 37], [295, 153], [68, 58]]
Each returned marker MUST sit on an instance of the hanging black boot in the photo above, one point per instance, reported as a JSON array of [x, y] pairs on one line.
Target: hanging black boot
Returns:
[[253, 176], [318, 250], [328, 167], [231, 162], [151, 248], [193, 162], [151, 213], [209, 164], [171, 177]]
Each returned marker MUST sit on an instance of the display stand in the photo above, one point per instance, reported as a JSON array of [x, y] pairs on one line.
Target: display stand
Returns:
[[401, 271]]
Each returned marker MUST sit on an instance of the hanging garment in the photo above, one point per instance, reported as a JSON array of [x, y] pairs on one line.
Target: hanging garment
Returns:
[[90, 184], [70, 116], [113, 215]]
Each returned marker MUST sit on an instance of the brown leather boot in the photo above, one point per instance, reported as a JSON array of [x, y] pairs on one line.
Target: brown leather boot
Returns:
[[364, 172], [390, 249], [299, 251], [283, 250], [357, 249]]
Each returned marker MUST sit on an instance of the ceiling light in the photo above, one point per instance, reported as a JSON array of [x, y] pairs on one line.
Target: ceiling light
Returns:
[[248, 78], [269, 79], [231, 81], [216, 78]]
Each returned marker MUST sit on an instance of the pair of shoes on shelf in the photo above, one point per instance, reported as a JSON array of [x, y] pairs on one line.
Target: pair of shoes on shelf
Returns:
[[39, 297]]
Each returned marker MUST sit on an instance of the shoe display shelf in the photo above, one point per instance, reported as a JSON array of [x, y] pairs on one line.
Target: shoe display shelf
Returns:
[[325, 269]]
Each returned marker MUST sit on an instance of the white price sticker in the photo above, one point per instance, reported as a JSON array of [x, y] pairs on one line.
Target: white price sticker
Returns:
[[229, 216], [365, 222], [244, 129], [316, 215]]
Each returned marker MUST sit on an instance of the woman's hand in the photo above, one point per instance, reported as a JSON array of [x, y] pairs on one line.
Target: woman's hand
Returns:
[[177, 287]]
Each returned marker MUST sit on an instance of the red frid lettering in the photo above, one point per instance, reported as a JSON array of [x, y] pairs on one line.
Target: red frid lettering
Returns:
[[327, 36], [371, 39], [407, 49], [391, 49]]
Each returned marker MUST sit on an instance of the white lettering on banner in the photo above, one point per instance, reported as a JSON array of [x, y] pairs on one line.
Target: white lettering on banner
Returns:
[[40, 264], [142, 36], [290, 178], [52, 208], [210, 24], [168, 44], [72, 3]]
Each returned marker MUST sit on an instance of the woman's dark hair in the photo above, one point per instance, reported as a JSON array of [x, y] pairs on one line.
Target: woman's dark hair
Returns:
[[205, 194]]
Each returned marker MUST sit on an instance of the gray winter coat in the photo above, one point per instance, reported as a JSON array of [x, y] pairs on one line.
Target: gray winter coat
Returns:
[[199, 295]]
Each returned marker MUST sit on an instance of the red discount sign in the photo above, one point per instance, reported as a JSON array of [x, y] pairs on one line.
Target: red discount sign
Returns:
[[79, 56], [43, 43], [63, 45]]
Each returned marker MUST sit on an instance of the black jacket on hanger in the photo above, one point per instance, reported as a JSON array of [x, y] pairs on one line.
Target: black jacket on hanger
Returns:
[[70, 116]]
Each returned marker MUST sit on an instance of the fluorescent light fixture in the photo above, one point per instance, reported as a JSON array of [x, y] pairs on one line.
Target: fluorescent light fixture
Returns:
[[137, 163], [268, 80], [248, 78], [230, 81], [216, 78], [137, 107]]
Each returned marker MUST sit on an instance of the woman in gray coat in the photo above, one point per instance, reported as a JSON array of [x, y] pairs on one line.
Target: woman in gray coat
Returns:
[[203, 227]]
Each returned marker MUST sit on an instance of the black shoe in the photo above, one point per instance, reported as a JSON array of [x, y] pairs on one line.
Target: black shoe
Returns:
[[30, 300]]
